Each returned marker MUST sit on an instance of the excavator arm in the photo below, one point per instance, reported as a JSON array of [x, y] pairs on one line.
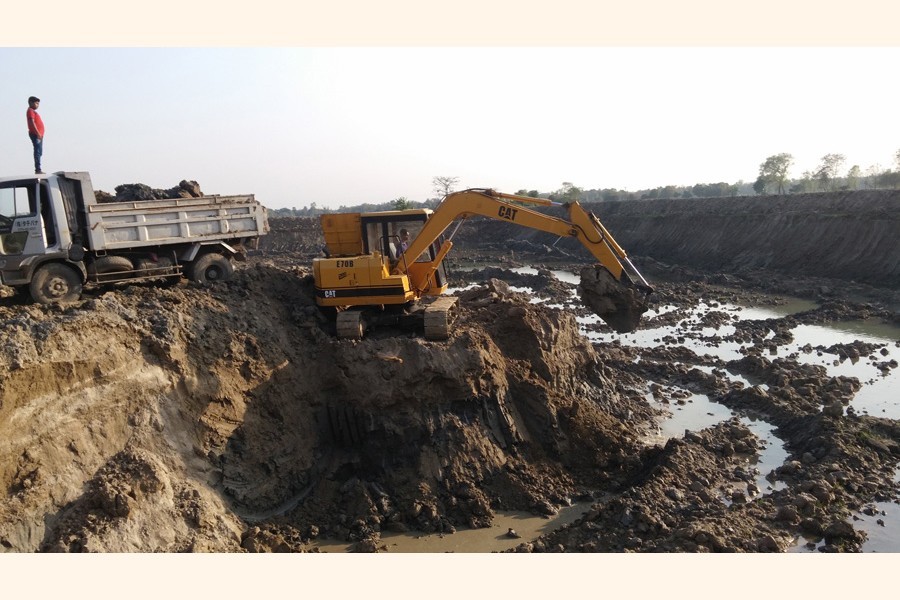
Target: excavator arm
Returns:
[[618, 292]]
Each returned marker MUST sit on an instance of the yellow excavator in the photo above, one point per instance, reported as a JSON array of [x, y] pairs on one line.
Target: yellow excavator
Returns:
[[387, 267]]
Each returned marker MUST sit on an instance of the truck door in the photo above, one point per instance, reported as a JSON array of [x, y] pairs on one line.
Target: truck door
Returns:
[[21, 233]]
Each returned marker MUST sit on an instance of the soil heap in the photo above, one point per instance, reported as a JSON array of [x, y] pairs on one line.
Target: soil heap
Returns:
[[229, 418]]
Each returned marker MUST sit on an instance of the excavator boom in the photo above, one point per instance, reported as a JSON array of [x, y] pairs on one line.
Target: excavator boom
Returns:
[[613, 289], [373, 264]]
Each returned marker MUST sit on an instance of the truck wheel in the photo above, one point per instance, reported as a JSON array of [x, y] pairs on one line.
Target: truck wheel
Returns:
[[110, 268], [210, 268], [55, 283]]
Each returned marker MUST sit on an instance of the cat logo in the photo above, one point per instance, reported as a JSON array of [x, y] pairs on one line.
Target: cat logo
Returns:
[[507, 212], [342, 275]]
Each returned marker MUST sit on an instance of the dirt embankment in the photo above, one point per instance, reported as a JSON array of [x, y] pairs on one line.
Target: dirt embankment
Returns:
[[849, 236], [228, 418], [840, 236]]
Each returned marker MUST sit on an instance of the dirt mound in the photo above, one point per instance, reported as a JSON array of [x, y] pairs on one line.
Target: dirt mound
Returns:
[[214, 414], [140, 191], [293, 238]]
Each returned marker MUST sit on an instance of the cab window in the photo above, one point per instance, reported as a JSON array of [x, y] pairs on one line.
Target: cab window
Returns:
[[18, 200]]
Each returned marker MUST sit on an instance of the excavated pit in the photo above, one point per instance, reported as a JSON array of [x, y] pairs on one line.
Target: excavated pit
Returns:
[[228, 418]]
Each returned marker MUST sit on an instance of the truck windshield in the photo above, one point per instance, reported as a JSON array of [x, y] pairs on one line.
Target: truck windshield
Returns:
[[18, 198]]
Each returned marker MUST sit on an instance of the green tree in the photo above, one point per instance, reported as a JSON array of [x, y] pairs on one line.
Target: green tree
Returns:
[[853, 176], [444, 185], [827, 173], [890, 179], [401, 203], [774, 171], [873, 173], [760, 185], [567, 193]]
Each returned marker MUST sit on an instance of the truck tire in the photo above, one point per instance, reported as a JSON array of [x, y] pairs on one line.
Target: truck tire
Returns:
[[210, 268], [111, 266], [55, 283]]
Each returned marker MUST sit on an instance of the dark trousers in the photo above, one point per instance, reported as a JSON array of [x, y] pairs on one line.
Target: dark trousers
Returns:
[[38, 144]]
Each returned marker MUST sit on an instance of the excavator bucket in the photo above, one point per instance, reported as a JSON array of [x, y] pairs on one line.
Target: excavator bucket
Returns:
[[619, 303]]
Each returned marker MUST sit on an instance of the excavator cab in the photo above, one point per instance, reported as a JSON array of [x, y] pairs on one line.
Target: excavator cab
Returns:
[[390, 233]]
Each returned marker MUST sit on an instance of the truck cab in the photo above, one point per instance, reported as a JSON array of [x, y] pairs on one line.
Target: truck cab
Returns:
[[29, 225]]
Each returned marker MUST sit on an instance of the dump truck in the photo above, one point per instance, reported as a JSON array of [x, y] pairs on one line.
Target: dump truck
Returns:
[[387, 267], [56, 238]]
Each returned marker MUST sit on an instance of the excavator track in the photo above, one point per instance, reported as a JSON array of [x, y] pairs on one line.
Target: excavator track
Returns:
[[439, 317], [350, 324]]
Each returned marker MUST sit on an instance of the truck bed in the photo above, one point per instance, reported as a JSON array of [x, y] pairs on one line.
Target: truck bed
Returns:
[[134, 224]]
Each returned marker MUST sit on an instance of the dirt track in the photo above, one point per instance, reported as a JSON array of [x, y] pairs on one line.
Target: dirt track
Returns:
[[227, 418]]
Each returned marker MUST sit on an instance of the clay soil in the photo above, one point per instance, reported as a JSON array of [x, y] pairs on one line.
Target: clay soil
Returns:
[[228, 418]]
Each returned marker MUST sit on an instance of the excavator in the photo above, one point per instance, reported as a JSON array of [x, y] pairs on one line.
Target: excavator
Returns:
[[387, 267]]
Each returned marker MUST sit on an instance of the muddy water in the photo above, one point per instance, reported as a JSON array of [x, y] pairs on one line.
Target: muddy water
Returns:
[[490, 539], [879, 395]]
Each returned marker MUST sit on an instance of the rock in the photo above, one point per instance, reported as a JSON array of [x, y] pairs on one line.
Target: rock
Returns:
[[675, 494], [367, 545], [787, 513], [768, 543], [822, 493], [812, 526], [511, 533], [839, 530], [834, 409]]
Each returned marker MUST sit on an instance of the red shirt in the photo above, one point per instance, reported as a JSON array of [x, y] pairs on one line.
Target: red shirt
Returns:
[[35, 124]]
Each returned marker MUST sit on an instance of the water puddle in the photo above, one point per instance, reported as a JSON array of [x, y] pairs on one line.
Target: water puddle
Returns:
[[880, 392], [489, 539], [771, 456], [698, 411]]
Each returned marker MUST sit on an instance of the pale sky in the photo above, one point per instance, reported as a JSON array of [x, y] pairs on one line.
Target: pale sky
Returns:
[[347, 125]]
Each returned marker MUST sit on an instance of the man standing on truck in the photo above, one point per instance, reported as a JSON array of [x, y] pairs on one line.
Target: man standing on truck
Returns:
[[35, 131]]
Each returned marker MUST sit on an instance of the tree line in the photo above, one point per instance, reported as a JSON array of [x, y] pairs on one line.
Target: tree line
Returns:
[[828, 176], [774, 178]]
